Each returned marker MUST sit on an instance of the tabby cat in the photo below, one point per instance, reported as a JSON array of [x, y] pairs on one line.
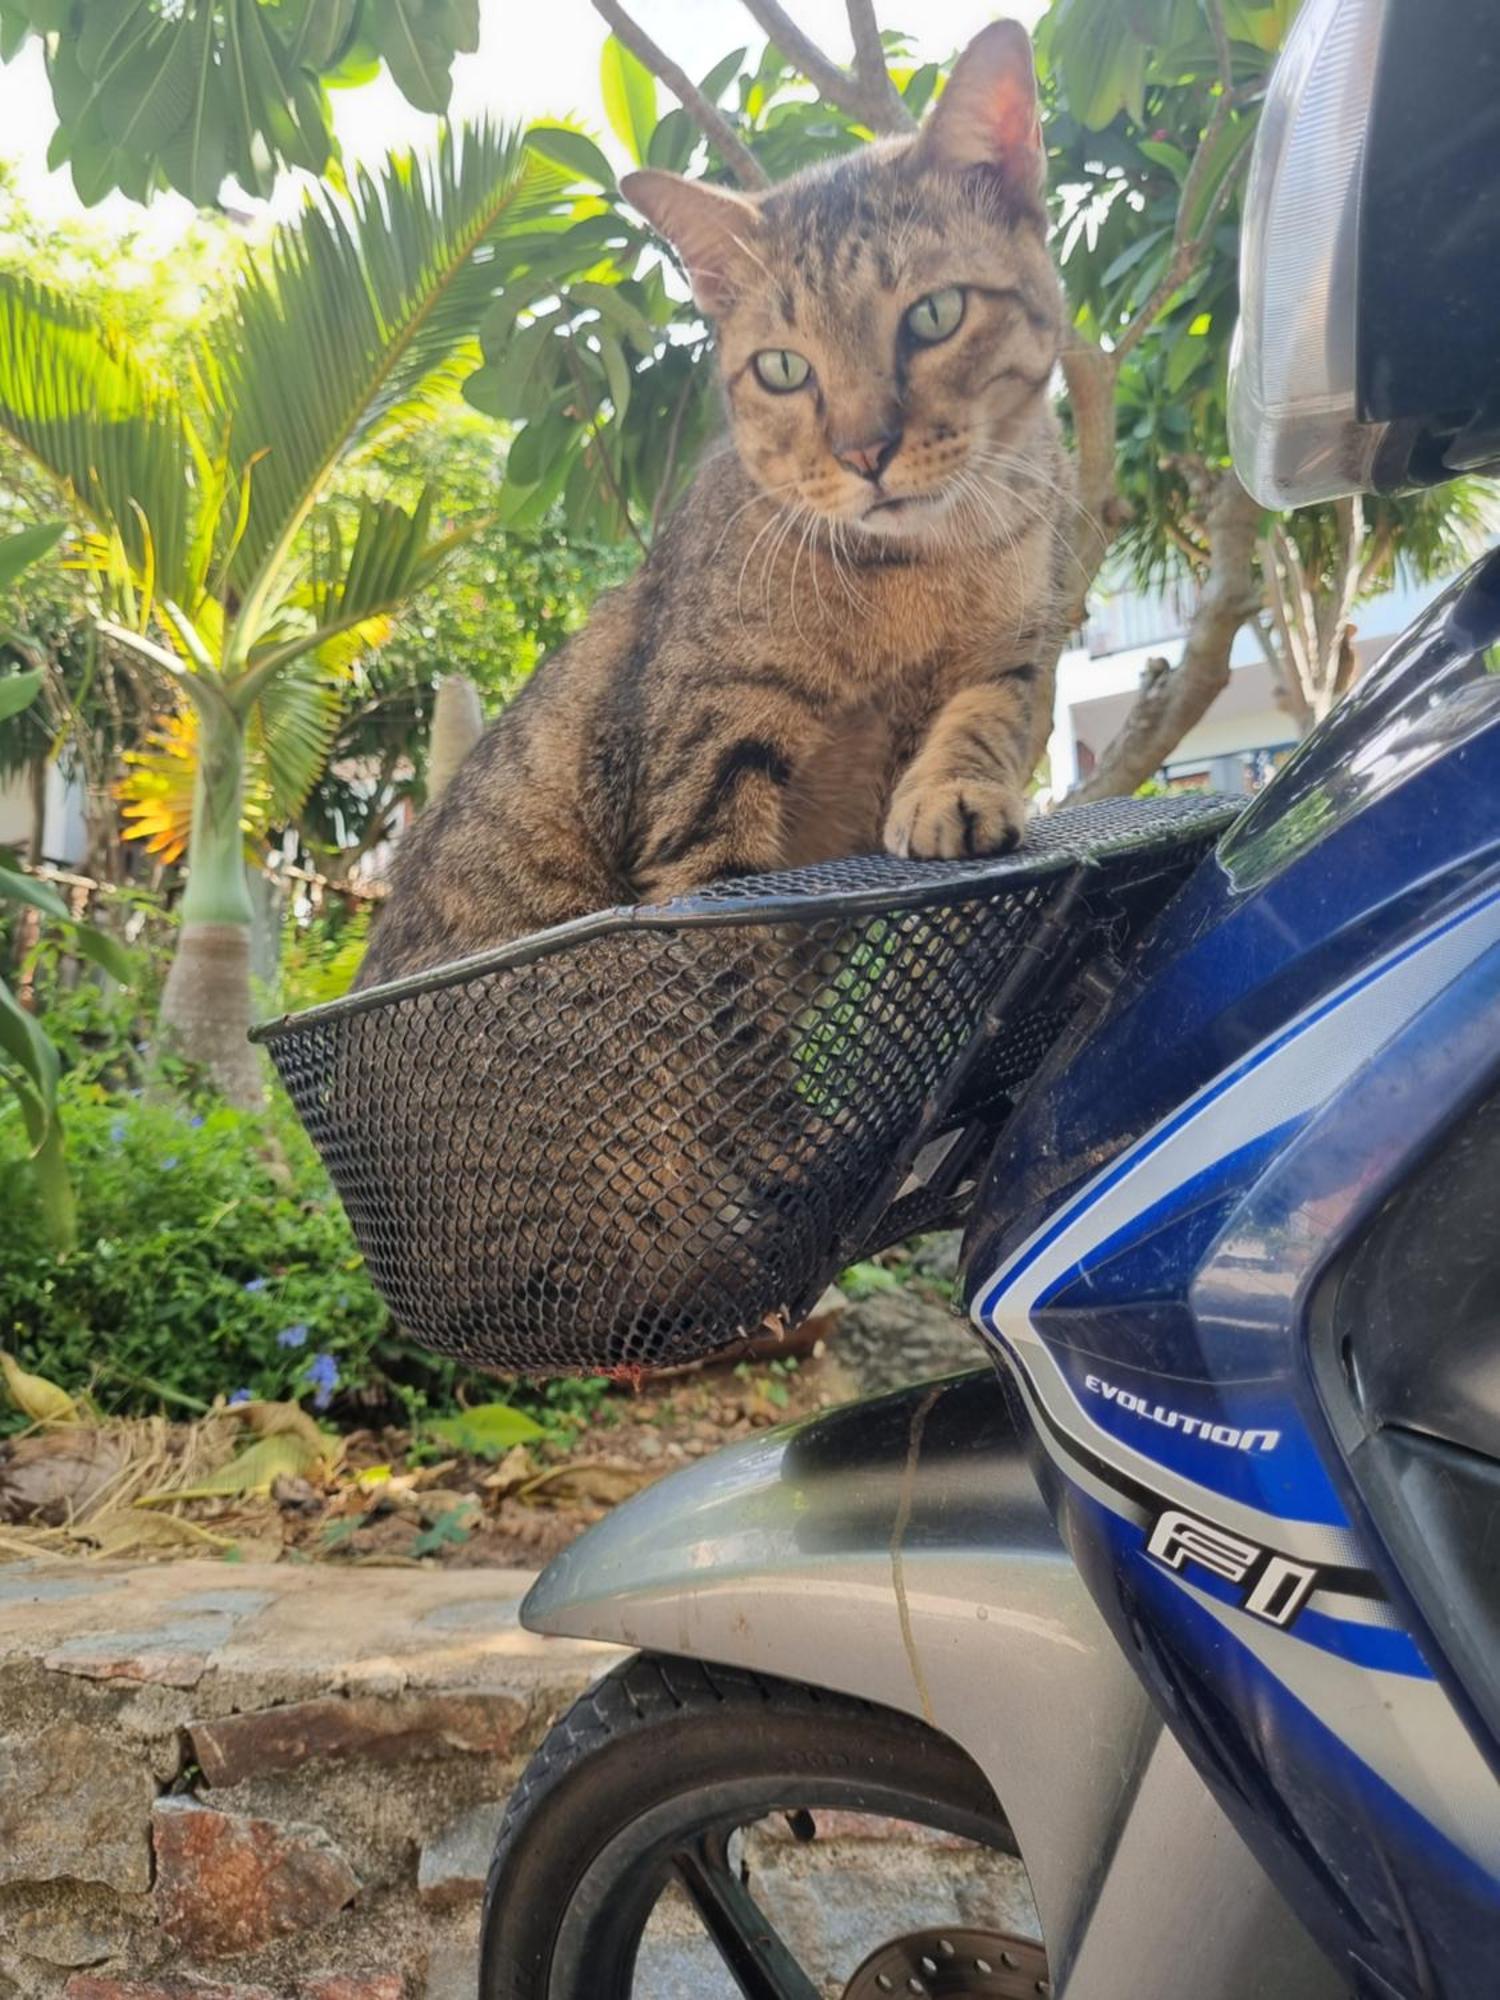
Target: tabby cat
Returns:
[[844, 637]]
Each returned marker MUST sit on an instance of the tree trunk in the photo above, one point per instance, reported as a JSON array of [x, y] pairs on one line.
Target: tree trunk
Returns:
[[1173, 699], [36, 846], [457, 725], [205, 1004]]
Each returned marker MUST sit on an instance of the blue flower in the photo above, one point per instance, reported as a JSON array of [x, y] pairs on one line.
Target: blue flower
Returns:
[[292, 1336], [255, 1284], [116, 1131], [169, 1162], [241, 1396], [196, 1121], [323, 1378]]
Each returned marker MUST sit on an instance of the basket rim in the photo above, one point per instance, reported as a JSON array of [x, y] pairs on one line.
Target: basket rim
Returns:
[[937, 883]]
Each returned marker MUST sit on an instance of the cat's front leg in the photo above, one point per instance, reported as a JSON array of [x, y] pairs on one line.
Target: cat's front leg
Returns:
[[964, 793], [727, 811]]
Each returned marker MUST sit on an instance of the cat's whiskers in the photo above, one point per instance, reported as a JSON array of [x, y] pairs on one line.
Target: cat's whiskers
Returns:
[[843, 567], [761, 493], [1041, 484], [775, 521], [773, 557], [1038, 507], [983, 498]]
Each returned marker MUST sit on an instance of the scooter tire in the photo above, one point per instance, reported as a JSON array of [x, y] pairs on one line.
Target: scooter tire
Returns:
[[664, 1752]]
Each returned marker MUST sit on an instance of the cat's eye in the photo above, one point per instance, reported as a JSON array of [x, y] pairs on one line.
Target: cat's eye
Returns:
[[782, 370], [937, 315]]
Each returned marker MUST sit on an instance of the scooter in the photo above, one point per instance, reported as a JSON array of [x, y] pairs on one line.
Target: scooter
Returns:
[[1189, 1599]]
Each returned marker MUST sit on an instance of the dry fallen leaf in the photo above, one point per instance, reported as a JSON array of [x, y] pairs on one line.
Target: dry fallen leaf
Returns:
[[51, 1476], [601, 1480]]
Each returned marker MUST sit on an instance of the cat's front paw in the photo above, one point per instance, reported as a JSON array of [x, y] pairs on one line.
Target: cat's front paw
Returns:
[[953, 820]]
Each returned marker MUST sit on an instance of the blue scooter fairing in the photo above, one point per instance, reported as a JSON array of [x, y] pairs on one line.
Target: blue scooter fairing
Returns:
[[1157, 1259]]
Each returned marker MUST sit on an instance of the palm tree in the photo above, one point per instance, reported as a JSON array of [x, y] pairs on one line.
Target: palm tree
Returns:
[[208, 549]]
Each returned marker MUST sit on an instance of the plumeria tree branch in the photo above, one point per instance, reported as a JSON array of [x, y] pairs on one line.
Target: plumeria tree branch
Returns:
[[866, 93], [708, 118]]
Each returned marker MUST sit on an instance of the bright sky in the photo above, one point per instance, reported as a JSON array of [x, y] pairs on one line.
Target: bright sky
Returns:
[[536, 57]]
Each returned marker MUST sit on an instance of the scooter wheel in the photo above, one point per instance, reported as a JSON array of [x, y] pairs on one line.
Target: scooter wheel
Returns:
[[650, 1780]]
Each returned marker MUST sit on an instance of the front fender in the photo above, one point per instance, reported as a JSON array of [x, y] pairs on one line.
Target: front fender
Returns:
[[899, 1550]]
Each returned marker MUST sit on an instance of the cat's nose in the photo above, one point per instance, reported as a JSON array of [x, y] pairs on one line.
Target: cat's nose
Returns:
[[871, 459]]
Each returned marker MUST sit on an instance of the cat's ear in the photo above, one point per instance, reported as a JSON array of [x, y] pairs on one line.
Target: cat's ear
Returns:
[[712, 229], [988, 116]]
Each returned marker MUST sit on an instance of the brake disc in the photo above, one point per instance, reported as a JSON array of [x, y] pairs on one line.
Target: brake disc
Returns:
[[952, 1965]]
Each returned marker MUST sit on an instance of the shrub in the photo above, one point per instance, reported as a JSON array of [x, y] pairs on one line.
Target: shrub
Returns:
[[212, 1258]]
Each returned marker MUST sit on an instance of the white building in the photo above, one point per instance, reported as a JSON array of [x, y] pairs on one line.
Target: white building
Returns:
[[1243, 736]]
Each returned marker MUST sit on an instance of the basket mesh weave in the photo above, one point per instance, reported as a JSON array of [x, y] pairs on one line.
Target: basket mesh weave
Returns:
[[634, 1141]]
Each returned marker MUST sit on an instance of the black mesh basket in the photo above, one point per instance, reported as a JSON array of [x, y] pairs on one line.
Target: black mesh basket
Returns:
[[640, 1138]]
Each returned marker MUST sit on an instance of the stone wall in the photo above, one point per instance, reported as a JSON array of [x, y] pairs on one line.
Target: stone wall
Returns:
[[225, 1782]]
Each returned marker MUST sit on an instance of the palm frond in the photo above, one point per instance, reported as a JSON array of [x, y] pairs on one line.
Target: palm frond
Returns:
[[354, 320], [354, 589], [292, 729], [113, 436]]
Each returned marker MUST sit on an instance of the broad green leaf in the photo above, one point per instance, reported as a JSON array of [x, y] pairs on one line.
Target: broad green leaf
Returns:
[[195, 157], [152, 95], [19, 691], [1164, 154], [100, 949], [573, 150], [1229, 156], [25, 547], [1137, 251], [629, 91], [722, 75], [617, 369], [612, 304], [34, 1061], [16, 886], [486, 1430], [453, 1526], [314, 30], [672, 142], [418, 50]]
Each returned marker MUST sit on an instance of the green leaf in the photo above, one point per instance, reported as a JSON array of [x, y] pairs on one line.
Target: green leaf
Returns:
[[629, 91], [722, 75], [19, 691], [34, 1063], [418, 47], [18, 887], [1186, 355], [26, 546], [617, 370], [195, 157], [100, 949], [1164, 154], [672, 142], [359, 320], [451, 1528], [573, 150], [77, 399], [485, 1431], [1133, 255], [610, 302]]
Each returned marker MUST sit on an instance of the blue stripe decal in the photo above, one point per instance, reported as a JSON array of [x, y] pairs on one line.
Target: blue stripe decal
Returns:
[[1220, 1177], [1154, 1141]]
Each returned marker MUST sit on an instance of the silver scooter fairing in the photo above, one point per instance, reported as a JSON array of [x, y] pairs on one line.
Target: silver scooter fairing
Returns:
[[899, 1550]]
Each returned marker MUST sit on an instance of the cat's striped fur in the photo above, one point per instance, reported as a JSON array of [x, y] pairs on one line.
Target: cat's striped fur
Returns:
[[834, 644]]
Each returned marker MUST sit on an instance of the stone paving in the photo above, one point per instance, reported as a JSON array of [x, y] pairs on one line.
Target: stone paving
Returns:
[[261, 1781], [225, 1782]]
